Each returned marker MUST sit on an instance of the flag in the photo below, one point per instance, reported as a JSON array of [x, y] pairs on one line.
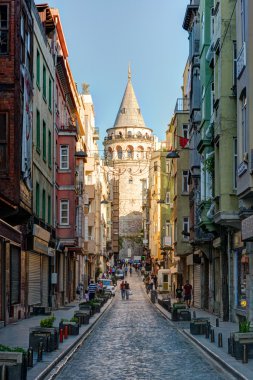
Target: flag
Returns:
[[183, 141]]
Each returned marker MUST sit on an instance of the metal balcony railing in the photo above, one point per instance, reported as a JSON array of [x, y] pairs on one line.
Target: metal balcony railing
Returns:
[[182, 105]]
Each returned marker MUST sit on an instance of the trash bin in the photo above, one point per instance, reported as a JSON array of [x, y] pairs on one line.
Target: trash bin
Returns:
[[153, 296]]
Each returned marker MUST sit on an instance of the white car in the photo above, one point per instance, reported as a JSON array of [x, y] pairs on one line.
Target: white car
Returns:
[[108, 286]]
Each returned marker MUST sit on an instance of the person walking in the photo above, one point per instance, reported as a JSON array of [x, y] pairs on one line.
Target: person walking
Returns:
[[130, 271], [125, 270], [188, 293], [123, 290], [92, 290], [179, 293], [127, 288]]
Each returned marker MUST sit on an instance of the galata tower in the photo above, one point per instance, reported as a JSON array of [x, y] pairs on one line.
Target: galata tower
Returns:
[[128, 146]]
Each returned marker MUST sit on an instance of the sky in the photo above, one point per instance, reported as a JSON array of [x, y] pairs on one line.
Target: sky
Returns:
[[104, 36]]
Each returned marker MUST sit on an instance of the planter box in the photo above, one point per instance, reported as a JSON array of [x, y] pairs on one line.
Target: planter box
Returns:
[[41, 310], [82, 316], [198, 326], [87, 307], [48, 336], [15, 364], [238, 340], [73, 327]]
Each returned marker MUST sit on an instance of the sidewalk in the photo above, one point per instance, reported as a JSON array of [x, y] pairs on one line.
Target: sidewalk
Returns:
[[218, 354], [17, 334]]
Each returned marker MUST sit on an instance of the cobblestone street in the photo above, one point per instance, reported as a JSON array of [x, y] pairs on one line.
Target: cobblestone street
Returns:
[[134, 341]]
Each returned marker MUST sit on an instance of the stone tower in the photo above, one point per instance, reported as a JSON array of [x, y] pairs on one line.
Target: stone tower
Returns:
[[128, 147]]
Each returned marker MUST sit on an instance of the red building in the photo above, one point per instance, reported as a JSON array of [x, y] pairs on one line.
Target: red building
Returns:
[[15, 152]]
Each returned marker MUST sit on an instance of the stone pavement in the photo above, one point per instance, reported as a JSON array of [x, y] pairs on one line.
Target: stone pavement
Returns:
[[17, 335], [218, 354]]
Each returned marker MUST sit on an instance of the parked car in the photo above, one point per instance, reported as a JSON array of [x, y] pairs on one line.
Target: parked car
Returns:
[[107, 285], [119, 274]]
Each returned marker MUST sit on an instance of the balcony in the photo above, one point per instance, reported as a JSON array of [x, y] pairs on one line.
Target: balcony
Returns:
[[241, 61], [206, 218], [90, 164], [90, 191], [96, 134], [91, 219], [128, 137], [182, 105], [90, 245]]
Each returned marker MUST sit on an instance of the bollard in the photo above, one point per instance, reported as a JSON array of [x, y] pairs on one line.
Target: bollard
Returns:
[[65, 332], [48, 343], [229, 346], [194, 314], [212, 335], [40, 352], [207, 330], [61, 335], [220, 340], [30, 357], [245, 354], [217, 322]]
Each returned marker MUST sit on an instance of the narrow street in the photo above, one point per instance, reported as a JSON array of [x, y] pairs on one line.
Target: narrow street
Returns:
[[134, 341]]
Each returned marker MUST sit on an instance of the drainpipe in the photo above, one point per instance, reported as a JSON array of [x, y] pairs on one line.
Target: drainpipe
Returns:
[[229, 275]]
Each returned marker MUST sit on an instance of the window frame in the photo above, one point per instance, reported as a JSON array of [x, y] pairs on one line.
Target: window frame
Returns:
[[186, 222], [49, 144], [6, 30], [37, 199], [44, 83], [49, 209], [44, 205], [62, 147], [38, 69], [185, 174], [4, 142], [38, 131], [64, 202], [44, 141]]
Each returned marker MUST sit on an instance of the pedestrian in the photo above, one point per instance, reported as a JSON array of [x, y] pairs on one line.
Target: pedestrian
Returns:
[[179, 293], [188, 293], [92, 290], [123, 290], [125, 270], [86, 295], [127, 288], [130, 271], [155, 281], [78, 292]]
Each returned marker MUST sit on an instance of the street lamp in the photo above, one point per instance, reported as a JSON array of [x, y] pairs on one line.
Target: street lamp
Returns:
[[173, 154]]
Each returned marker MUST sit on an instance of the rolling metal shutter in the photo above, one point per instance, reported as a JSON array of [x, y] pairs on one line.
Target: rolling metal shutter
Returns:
[[45, 280], [15, 275], [34, 279], [197, 285]]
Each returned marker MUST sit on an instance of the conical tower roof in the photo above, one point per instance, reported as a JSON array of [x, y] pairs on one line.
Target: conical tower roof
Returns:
[[129, 114]]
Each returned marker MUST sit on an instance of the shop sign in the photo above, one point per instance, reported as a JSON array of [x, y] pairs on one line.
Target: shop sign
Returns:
[[247, 229], [40, 246], [167, 241], [242, 168]]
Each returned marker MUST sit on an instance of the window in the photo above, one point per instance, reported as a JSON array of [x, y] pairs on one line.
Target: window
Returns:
[[119, 152], [185, 186], [235, 162], [167, 198], [186, 228], [212, 98], [130, 181], [44, 148], [244, 122], [129, 133], [64, 156], [50, 94], [185, 131], [243, 20], [234, 65], [37, 199], [3, 141], [38, 130], [64, 212], [4, 29], [155, 166], [49, 209], [38, 69], [49, 149], [44, 83], [44, 205]]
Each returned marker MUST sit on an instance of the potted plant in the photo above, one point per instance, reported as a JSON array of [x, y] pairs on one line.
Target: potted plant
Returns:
[[45, 333], [17, 357], [238, 339]]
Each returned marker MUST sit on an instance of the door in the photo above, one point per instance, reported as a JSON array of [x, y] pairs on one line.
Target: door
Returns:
[[34, 279], [197, 285]]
